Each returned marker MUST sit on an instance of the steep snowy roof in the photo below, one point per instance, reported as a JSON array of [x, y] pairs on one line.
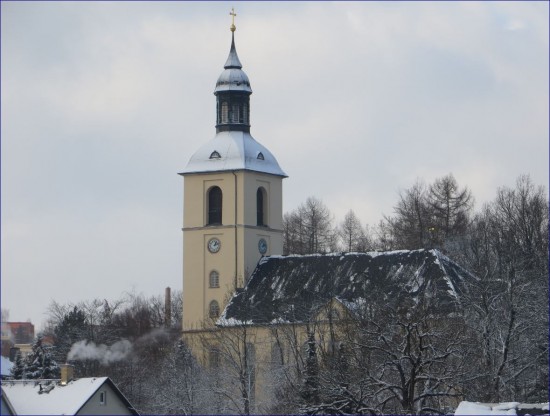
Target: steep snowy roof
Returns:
[[292, 288], [25, 398], [233, 150]]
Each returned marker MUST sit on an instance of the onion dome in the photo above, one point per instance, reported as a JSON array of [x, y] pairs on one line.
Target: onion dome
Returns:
[[233, 78]]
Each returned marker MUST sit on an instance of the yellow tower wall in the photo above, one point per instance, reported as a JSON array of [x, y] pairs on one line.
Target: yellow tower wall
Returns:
[[238, 234]]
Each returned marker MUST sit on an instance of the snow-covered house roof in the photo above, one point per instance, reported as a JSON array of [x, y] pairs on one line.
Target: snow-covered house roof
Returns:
[[510, 408], [293, 288], [5, 366], [233, 150], [50, 397], [5, 405]]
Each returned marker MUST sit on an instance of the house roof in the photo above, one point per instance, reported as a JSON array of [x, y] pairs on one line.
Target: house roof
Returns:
[[510, 408], [26, 399], [293, 288], [5, 366]]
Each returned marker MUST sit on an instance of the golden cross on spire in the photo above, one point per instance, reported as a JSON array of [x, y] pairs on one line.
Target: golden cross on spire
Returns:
[[233, 14]]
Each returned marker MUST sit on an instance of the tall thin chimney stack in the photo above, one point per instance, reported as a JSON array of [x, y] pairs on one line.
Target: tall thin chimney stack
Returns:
[[167, 308]]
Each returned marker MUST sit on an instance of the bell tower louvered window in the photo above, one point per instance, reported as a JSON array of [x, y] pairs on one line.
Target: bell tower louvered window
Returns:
[[261, 207], [214, 206], [224, 119]]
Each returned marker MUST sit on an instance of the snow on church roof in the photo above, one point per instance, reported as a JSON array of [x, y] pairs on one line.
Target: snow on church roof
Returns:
[[293, 288], [233, 150]]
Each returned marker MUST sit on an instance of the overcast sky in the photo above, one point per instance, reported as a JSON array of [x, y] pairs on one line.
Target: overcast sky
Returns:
[[104, 103]]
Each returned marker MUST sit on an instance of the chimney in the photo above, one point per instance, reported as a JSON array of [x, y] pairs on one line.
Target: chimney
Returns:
[[67, 373], [167, 308]]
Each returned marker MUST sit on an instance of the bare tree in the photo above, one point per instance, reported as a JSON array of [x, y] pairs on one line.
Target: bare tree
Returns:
[[432, 216], [450, 209], [286, 369], [410, 225], [508, 249], [384, 238], [231, 358], [352, 234], [308, 229], [5, 315]]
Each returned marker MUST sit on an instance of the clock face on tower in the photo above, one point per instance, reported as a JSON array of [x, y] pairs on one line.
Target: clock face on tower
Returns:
[[262, 246], [214, 245]]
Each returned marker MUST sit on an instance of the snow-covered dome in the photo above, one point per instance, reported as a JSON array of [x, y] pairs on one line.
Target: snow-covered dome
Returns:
[[233, 79], [233, 150]]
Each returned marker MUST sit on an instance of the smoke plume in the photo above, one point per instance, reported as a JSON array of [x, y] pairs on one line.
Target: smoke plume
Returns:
[[84, 350]]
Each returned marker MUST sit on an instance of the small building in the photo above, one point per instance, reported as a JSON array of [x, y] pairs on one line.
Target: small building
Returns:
[[65, 396], [16, 333]]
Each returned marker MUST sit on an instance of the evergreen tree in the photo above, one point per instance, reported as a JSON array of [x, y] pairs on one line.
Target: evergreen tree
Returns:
[[72, 327], [19, 370], [40, 364]]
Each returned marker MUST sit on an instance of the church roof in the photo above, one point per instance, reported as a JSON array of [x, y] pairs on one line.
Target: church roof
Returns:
[[233, 78], [233, 150], [293, 288]]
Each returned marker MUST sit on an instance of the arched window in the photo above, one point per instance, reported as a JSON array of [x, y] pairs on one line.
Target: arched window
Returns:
[[245, 113], [261, 207], [214, 206], [214, 358], [214, 280], [235, 113], [225, 113], [214, 309]]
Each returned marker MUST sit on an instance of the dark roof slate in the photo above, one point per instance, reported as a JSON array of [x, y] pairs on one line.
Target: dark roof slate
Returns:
[[293, 288]]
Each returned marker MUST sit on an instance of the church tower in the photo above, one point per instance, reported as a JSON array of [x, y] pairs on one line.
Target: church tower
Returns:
[[232, 203]]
